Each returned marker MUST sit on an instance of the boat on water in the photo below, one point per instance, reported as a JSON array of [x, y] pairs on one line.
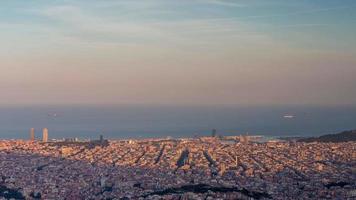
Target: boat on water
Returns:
[[288, 116]]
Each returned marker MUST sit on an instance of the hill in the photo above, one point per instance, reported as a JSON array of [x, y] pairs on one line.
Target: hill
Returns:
[[345, 136]]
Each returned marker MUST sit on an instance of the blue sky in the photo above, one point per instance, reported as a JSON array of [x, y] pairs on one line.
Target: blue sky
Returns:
[[160, 51], [149, 20]]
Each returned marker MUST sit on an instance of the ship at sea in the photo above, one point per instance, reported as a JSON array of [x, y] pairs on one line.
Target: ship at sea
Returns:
[[288, 116]]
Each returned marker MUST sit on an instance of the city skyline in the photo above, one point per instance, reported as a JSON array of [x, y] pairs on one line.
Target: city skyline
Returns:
[[186, 52], [189, 99], [204, 168]]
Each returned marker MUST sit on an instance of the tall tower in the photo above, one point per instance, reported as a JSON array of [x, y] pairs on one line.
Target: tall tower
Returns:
[[213, 133], [45, 135], [32, 134]]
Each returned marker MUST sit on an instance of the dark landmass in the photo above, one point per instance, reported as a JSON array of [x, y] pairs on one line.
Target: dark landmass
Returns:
[[8, 193], [203, 188], [291, 138], [346, 136], [335, 184]]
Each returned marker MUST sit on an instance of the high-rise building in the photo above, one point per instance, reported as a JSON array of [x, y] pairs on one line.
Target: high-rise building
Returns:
[[32, 134], [45, 135], [236, 161], [213, 133]]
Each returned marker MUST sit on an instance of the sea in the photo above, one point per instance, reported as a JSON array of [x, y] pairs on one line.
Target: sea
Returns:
[[161, 121]]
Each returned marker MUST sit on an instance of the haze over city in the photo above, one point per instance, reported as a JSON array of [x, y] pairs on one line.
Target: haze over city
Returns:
[[178, 52], [178, 100]]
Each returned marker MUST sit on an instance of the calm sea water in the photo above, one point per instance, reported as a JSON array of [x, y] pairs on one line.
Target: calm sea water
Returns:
[[175, 121]]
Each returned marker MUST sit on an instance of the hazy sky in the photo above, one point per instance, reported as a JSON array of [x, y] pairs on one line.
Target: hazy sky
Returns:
[[178, 52]]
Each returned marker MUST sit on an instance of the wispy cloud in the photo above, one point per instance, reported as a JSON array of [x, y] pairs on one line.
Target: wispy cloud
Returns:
[[300, 12], [78, 22], [224, 3], [74, 21]]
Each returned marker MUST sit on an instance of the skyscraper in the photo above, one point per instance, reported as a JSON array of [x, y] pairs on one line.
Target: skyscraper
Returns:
[[45, 135], [213, 133], [32, 134]]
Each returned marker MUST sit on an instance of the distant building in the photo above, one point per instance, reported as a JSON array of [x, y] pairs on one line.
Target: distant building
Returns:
[[101, 142], [222, 169], [65, 151], [213, 133], [71, 139], [32, 134], [45, 135], [244, 139], [236, 161], [320, 167]]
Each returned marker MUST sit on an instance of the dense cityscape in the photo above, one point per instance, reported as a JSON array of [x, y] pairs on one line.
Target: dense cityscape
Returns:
[[197, 168], [132, 92]]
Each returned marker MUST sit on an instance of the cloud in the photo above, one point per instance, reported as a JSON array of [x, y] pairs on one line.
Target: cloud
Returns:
[[73, 21], [224, 3], [300, 12], [126, 27], [87, 25]]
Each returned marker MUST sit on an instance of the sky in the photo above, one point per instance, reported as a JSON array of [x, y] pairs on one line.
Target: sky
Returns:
[[178, 52]]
